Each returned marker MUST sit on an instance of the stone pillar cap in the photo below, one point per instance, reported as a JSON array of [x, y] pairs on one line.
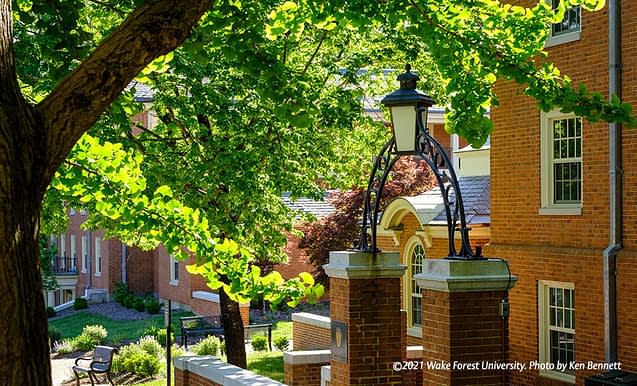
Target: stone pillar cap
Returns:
[[466, 275], [364, 265]]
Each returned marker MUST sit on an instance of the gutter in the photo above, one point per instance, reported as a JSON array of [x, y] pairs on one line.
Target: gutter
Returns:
[[615, 187]]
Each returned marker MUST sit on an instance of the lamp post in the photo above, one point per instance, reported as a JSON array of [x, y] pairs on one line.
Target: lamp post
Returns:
[[410, 136]]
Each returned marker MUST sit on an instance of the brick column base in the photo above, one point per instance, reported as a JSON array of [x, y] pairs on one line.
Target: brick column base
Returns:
[[366, 318], [464, 334]]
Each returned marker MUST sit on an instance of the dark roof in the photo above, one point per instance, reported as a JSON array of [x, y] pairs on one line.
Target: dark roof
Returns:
[[309, 206], [476, 198], [143, 92]]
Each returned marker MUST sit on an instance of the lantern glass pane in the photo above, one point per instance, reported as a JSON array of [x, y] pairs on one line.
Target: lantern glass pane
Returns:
[[404, 123]]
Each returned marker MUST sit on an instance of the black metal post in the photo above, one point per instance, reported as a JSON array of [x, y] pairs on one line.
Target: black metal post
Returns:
[[168, 324]]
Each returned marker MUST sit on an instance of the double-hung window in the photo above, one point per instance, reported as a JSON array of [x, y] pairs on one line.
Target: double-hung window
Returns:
[[556, 301], [98, 256], [174, 271], [561, 164], [414, 258], [84, 254], [568, 29]]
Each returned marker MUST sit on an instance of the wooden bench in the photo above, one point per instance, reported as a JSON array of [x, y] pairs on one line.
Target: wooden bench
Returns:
[[99, 363], [212, 325]]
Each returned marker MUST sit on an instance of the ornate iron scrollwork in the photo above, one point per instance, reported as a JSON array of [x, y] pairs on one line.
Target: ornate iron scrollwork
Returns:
[[432, 152]]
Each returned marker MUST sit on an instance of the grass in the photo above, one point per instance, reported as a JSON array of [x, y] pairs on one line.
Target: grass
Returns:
[[281, 328], [267, 363], [118, 330]]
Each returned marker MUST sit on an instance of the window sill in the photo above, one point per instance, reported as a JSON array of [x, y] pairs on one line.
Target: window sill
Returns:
[[98, 274], [562, 39], [174, 283], [556, 375], [414, 331], [560, 211], [83, 271]]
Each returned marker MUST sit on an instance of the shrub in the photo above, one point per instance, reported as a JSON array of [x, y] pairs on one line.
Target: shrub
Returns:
[[134, 359], [259, 342], [150, 345], [96, 332], [80, 304], [50, 312], [207, 346], [54, 335], [120, 292], [159, 333], [281, 343], [152, 305], [138, 304], [64, 347], [161, 336], [129, 300], [176, 351], [84, 343]]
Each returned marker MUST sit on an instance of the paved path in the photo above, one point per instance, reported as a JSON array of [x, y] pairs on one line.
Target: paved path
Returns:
[[61, 370]]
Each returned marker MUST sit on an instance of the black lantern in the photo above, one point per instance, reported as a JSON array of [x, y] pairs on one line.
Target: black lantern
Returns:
[[407, 105], [408, 108]]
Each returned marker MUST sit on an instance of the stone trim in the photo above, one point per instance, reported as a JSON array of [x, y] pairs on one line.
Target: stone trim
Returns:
[[307, 357], [465, 275], [211, 297], [312, 319], [222, 373], [415, 352], [363, 265]]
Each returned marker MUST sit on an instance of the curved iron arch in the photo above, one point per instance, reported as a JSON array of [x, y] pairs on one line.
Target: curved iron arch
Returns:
[[432, 152]]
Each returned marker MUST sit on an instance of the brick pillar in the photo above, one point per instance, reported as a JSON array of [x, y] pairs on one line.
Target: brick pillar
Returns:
[[463, 332], [365, 318]]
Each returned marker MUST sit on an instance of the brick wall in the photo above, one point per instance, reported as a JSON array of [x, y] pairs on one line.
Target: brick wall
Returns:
[[186, 378], [297, 262], [369, 309], [463, 327], [210, 371], [309, 335], [566, 248], [140, 270], [303, 375], [579, 266], [303, 368]]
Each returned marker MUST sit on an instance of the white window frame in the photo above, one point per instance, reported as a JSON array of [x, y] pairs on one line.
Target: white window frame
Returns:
[[73, 252], [62, 251], [565, 37], [84, 254], [548, 206], [409, 283], [174, 271], [98, 256], [544, 328]]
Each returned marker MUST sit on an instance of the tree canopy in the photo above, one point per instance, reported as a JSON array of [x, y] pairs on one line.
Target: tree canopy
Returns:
[[253, 82]]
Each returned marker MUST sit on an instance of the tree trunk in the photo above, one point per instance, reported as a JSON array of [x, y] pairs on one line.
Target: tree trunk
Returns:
[[24, 348], [34, 141], [233, 331]]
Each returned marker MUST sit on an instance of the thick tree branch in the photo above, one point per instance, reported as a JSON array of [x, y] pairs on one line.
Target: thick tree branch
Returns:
[[154, 29]]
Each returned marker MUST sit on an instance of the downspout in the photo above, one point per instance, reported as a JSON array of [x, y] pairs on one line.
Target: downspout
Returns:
[[124, 257], [615, 187]]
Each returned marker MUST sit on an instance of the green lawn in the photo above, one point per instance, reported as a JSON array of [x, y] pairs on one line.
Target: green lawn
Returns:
[[266, 363], [118, 330]]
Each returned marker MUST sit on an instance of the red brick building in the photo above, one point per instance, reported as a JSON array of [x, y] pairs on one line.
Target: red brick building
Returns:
[[553, 214]]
